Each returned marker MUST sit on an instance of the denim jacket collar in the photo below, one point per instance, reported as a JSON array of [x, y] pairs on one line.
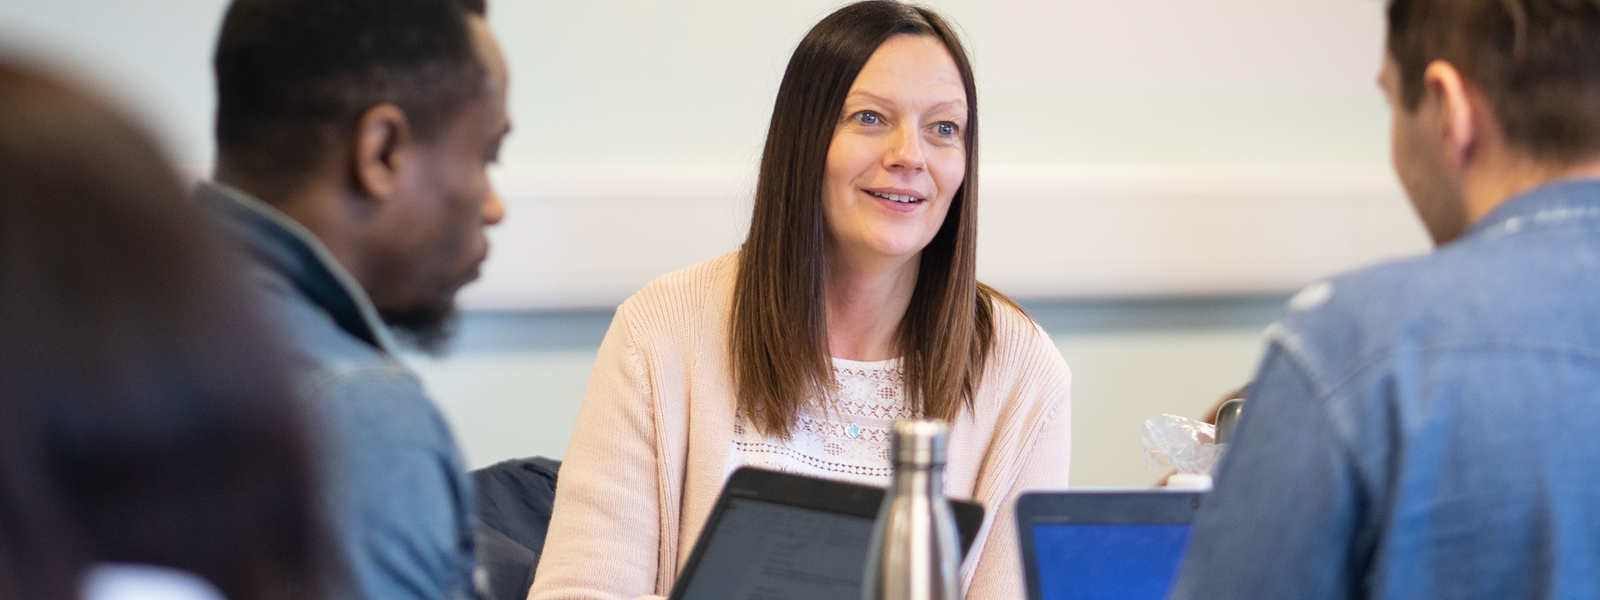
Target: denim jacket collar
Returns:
[[288, 250], [1559, 202]]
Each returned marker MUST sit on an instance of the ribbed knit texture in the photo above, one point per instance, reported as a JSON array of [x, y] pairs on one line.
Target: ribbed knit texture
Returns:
[[649, 454]]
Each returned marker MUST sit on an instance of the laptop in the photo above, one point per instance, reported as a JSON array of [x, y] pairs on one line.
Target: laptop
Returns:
[[1103, 544], [778, 535]]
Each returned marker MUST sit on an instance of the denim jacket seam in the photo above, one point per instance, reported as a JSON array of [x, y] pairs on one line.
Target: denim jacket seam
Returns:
[[1386, 354], [328, 375], [1327, 397]]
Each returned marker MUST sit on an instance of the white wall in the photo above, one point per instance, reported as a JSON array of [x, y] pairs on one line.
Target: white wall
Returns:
[[1131, 149], [628, 83], [1280, 82]]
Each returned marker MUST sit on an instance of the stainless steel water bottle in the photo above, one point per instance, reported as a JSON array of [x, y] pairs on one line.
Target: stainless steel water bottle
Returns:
[[914, 552]]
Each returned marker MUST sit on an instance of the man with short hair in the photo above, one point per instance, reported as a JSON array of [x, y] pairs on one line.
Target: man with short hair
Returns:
[[353, 138], [1430, 428]]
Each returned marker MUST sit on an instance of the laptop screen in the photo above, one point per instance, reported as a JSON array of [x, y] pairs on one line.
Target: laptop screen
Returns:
[[767, 550], [1124, 561], [780, 536]]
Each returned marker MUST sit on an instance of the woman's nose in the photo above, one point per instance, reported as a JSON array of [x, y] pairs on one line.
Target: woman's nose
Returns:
[[904, 150]]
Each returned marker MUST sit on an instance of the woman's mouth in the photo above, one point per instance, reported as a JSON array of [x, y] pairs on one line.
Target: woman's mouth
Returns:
[[901, 198]]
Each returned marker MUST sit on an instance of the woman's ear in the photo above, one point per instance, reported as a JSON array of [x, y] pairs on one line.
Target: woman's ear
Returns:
[[380, 135]]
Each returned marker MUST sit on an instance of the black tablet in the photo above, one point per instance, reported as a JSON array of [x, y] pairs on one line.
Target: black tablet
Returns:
[[1103, 544], [778, 535]]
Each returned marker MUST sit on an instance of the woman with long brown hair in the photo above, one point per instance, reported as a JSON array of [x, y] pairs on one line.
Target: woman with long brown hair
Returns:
[[853, 303], [151, 444]]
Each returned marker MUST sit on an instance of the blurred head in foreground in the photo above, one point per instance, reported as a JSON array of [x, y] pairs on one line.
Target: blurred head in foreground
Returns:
[[143, 414]]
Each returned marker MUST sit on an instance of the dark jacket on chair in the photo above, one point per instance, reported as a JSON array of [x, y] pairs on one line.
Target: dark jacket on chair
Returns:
[[514, 501]]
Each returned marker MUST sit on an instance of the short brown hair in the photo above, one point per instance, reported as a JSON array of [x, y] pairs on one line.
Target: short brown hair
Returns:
[[1537, 62], [779, 343]]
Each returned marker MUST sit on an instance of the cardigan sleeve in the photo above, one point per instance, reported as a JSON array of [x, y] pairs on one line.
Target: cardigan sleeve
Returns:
[[1032, 451], [605, 526], [1044, 466]]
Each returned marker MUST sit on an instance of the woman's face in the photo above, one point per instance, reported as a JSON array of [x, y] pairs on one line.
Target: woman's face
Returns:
[[898, 155]]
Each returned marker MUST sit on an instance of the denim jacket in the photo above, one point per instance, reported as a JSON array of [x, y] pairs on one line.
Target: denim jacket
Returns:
[[401, 498], [1428, 428]]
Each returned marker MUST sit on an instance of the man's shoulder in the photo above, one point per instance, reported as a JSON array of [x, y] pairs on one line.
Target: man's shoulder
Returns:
[[1335, 326], [311, 334], [336, 371], [1479, 294]]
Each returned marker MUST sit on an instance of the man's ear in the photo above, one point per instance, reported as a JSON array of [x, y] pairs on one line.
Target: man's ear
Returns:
[[1459, 116], [380, 135]]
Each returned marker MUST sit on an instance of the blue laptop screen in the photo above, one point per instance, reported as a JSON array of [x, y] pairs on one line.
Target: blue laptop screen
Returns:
[[1127, 562]]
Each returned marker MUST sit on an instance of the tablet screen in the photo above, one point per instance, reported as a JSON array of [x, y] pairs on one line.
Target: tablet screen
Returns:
[[1129, 562], [767, 551]]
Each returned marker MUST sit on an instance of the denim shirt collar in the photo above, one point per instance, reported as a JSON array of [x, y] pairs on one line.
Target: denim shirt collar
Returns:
[[288, 250], [1560, 202]]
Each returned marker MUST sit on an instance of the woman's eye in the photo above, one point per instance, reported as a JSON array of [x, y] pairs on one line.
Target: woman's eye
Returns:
[[945, 129], [867, 118]]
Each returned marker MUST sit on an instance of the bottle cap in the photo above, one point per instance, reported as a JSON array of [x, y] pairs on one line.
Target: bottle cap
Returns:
[[920, 442], [1228, 419]]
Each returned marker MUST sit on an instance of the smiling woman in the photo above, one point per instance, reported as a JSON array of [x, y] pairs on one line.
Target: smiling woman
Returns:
[[853, 303], [895, 164]]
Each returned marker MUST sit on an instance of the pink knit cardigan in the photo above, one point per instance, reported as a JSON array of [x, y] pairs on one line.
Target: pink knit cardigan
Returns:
[[649, 455]]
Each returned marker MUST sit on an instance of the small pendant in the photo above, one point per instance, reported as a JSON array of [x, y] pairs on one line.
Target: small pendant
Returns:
[[854, 431]]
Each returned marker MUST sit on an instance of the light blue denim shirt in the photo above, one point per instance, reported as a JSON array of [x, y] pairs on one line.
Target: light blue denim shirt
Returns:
[[1428, 428], [401, 498]]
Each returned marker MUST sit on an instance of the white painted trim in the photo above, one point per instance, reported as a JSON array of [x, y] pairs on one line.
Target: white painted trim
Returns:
[[589, 236]]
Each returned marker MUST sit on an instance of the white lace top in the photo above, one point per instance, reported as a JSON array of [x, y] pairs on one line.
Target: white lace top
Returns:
[[846, 439]]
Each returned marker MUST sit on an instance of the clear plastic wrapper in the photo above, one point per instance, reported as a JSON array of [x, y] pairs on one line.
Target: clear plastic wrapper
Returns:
[[1187, 445]]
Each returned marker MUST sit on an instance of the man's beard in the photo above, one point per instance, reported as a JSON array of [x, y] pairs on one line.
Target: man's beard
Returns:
[[428, 329]]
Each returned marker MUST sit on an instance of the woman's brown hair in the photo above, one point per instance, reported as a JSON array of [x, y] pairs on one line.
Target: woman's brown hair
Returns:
[[779, 332]]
